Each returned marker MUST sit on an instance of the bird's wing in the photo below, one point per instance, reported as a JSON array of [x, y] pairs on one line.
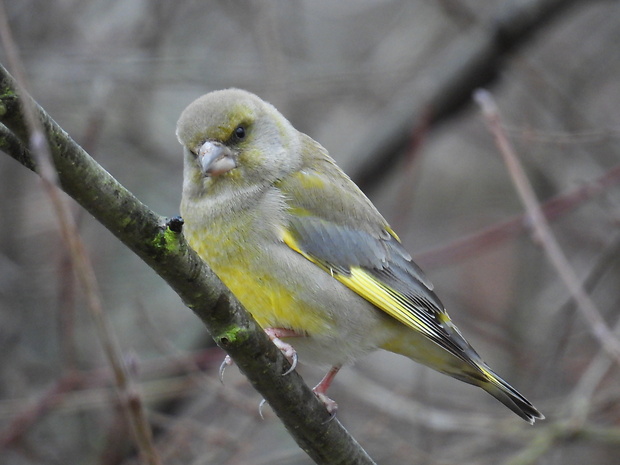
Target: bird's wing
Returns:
[[358, 248]]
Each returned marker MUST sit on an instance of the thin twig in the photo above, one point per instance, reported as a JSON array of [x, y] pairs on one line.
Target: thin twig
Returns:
[[558, 432], [130, 399], [580, 399], [542, 230], [482, 240], [557, 137], [162, 378], [26, 418]]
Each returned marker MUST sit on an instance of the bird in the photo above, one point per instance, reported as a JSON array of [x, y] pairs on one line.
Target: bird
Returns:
[[307, 253]]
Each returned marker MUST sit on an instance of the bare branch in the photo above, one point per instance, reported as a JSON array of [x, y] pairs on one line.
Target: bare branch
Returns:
[[130, 398], [543, 232]]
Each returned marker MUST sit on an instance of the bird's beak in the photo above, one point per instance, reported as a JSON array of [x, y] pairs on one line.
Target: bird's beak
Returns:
[[215, 159]]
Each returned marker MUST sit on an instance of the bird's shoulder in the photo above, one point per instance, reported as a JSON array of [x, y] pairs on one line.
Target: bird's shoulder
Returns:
[[320, 189]]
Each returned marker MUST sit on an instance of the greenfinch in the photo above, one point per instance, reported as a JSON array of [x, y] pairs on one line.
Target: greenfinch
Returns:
[[306, 252]]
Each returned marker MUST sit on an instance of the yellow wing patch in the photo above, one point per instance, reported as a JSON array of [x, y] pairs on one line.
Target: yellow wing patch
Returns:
[[392, 233], [371, 289], [289, 240], [388, 300]]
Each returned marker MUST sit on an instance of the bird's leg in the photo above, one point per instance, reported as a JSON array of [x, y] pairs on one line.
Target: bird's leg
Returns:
[[288, 350], [321, 389], [274, 335]]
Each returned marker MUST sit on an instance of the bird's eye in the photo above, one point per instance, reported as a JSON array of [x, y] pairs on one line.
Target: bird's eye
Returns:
[[240, 132]]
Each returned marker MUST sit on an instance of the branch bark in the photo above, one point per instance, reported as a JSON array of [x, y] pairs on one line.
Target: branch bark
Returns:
[[158, 242]]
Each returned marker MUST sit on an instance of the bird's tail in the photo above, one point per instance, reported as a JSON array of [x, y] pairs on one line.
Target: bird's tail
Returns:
[[467, 367], [506, 394]]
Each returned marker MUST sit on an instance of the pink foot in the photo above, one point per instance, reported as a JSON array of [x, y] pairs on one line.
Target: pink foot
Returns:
[[321, 389], [274, 335], [288, 350], [330, 405]]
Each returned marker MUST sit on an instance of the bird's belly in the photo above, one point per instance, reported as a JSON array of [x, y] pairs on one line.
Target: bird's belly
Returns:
[[273, 303]]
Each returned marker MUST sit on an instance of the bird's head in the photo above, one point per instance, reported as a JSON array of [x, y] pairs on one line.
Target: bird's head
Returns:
[[232, 137]]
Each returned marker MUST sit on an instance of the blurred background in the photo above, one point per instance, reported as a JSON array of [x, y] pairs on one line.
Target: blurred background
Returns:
[[385, 86]]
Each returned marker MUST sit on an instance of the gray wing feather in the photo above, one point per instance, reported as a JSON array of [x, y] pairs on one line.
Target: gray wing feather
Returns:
[[340, 248]]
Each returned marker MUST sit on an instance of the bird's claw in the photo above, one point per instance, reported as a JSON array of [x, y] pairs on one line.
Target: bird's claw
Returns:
[[274, 335], [293, 361], [330, 405], [226, 363], [260, 408], [288, 350]]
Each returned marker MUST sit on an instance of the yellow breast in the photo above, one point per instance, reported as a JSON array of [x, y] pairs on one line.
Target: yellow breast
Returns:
[[249, 272]]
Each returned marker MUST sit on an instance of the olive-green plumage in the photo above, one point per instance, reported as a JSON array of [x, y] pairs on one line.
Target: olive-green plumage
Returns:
[[305, 250]]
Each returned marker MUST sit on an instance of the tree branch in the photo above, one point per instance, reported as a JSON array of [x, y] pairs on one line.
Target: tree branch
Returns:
[[473, 61], [159, 243]]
